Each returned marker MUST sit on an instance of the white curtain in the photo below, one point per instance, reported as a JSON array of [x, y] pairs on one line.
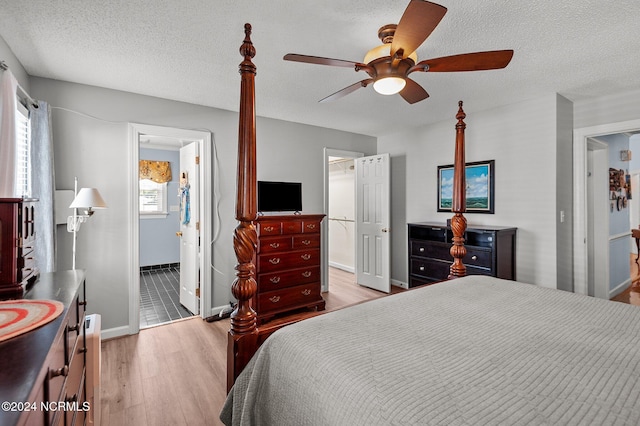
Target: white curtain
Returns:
[[43, 185], [8, 87]]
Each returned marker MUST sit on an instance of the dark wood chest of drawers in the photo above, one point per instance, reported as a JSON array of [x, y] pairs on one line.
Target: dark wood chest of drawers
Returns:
[[44, 370], [287, 264], [17, 245], [490, 251]]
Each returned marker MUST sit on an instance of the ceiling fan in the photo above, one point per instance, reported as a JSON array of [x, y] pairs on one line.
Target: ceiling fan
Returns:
[[390, 64]]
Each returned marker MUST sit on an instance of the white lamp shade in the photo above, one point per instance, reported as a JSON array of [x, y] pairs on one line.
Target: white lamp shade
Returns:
[[389, 85], [88, 198]]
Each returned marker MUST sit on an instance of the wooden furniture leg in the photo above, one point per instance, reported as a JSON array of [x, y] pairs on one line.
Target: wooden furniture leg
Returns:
[[459, 205]]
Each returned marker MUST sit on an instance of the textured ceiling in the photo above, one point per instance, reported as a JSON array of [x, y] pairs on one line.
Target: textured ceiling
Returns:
[[188, 51]]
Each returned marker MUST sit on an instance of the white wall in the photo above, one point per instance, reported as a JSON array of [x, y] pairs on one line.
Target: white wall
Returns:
[[522, 139], [15, 66], [614, 108], [96, 150]]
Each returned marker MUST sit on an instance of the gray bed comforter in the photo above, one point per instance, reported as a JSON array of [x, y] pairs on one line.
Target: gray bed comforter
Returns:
[[473, 351]]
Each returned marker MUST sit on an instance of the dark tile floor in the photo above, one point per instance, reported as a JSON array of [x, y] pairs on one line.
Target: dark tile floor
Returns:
[[160, 295]]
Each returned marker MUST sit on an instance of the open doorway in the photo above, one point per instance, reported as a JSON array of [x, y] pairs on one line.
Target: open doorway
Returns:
[[163, 271], [339, 226], [179, 248], [593, 271]]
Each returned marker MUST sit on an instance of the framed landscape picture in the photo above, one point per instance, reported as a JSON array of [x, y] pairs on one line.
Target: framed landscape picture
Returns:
[[479, 178]]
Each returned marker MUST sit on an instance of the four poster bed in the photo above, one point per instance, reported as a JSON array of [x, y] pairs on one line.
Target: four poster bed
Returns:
[[472, 350]]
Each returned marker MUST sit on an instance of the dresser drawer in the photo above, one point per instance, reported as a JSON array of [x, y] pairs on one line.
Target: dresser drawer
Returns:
[[306, 241], [289, 298], [293, 227], [274, 244], [57, 372], [294, 259], [477, 257], [432, 269], [76, 374], [289, 278], [473, 270], [75, 328], [311, 226], [269, 228], [430, 249]]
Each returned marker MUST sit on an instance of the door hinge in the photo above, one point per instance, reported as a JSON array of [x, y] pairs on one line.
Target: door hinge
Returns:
[[198, 159], [197, 292], [197, 225]]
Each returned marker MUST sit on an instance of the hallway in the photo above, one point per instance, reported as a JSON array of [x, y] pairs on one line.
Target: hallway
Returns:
[[632, 294]]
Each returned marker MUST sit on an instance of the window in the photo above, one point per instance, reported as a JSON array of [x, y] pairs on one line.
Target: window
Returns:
[[23, 152], [153, 198]]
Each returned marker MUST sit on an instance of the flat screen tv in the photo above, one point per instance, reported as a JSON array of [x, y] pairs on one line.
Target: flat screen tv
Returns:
[[279, 196]]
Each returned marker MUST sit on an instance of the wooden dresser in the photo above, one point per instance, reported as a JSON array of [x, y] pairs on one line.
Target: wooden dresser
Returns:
[[17, 245], [491, 251], [42, 372], [287, 264]]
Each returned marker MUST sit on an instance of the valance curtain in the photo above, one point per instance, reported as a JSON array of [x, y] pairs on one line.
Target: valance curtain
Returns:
[[43, 185], [8, 87], [157, 171]]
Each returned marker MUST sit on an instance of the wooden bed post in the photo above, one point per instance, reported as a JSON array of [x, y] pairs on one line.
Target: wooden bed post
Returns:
[[242, 341], [459, 206]]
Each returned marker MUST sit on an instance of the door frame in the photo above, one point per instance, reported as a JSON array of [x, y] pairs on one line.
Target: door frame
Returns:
[[204, 139], [581, 217], [330, 152], [598, 213]]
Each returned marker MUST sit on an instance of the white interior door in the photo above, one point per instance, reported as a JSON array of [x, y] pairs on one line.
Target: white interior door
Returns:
[[189, 228], [373, 179]]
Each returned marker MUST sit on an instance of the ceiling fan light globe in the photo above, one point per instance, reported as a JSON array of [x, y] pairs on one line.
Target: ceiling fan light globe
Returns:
[[389, 85]]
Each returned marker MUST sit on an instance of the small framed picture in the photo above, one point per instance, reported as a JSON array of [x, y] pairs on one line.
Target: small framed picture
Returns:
[[479, 177]]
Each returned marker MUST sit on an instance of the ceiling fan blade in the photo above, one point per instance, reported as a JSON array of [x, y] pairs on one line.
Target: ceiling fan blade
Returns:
[[477, 61], [413, 92], [417, 23], [347, 90], [321, 61]]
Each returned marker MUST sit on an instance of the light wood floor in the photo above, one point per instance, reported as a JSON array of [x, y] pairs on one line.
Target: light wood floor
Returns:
[[175, 374], [632, 294]]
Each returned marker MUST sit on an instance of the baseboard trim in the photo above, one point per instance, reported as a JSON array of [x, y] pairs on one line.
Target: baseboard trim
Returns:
[[400, 284], [112, 333], [346, 268], [620, 288]]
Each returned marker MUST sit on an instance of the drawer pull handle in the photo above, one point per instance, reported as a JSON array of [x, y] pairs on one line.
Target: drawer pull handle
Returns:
[[421, 249], [306, 274], [73, 327], [269, 228], [274, 280], [275, 245], [306, 292], [306, 242], [63, 371], [274, 261], [306, 256], [311, 226], [275, 299], [474, 257], [422, 268]]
